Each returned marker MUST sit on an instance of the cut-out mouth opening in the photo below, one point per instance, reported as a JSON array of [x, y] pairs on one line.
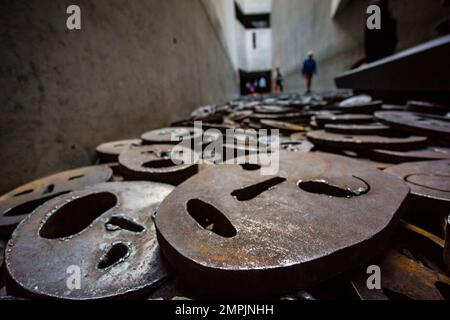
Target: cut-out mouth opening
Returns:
[[324, 188], [250, 167], [159, 164], [117, 253], [29, 206], [251, 192], [210, 218], [77, 215]]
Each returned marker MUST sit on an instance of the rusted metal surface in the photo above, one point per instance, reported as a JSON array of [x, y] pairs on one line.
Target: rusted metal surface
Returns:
[[427, 107], [274, 110], [107, 231], [428, 153], [428, 179], [283, 126], [154, 163], [173, 135], [362, 129], [109, 152], [243, 233], [359, 104], [411, 269], [343, 119], [20, 202], [417, 123], [365, 142]]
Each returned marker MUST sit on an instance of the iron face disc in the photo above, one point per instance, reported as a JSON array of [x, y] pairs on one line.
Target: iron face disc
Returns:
[[20, 202], [105, 233], [231, 230]]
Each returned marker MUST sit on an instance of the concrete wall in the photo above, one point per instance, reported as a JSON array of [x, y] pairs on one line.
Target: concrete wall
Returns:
[[134, 66], [302, 25], [259, 58]]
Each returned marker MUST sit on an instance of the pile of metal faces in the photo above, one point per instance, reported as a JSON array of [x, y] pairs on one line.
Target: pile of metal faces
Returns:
[[357, 208]]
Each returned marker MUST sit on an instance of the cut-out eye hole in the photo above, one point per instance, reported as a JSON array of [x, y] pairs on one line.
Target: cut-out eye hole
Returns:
[[76, 177], [323, 187], [444, 289], [23, 193], [348, 137], [250, 167], [77, 215], [210, 218], [49, 189], [117, 253], [122, 223], [251, 192], [163, 163], [120, 145], [30, 206]]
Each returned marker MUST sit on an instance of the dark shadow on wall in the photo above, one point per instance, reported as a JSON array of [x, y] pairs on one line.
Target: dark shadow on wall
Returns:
[[134, 66]]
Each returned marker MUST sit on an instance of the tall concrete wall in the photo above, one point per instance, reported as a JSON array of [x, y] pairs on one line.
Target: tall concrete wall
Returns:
[[134, 66], [302, 25]]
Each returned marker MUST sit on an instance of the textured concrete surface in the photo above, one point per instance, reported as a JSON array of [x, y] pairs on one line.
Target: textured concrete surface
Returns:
[[302, 25], [134, 66]]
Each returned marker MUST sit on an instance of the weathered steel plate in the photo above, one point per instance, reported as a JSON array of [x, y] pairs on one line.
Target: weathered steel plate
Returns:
[[427, 107], [425, 154], [20, 202], [230, 229], [366, 142], [411, 269], [154, 163], [173, 135], [283, 126], [429, 179], [274, 109], [109, 152], [363, 129], [359, 106], [343, 119], [103, 233], [417, 123]]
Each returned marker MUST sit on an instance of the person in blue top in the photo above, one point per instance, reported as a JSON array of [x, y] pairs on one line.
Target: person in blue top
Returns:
[[309, 70]]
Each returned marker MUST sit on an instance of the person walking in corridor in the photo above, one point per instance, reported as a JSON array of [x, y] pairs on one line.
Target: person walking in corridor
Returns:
[[279, 81], [309, 70]]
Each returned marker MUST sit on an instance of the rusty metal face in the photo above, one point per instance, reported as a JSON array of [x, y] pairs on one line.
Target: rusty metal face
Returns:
[[237, 231], [154, 163], [418, 123], [425, 154], [173, 135], [343, 119], [103, 233], [411, 269], [359, 106], [365, 142], [109, 152], [274, 109], [356, 101], [393, 107], [427, 107], [362, 129], [20, 202], [283, 126], [278, 117], [429, 179]]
